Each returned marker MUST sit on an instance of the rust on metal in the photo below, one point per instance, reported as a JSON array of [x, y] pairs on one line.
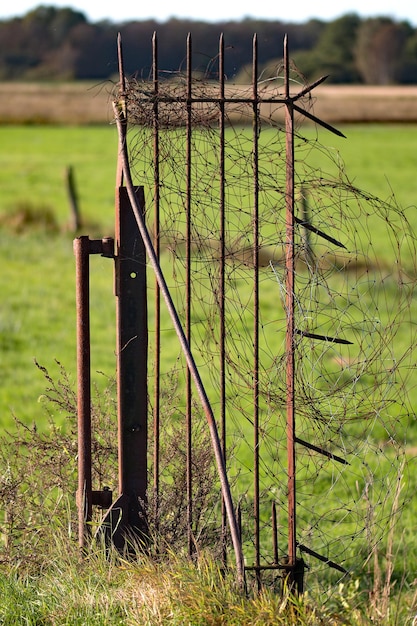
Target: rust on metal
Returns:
[[83, 247], [127, 516], [222, 278], [273, 567], [188, 296], [289, 306], [156, 243], [255, 149], [84, 496], [122, 104]]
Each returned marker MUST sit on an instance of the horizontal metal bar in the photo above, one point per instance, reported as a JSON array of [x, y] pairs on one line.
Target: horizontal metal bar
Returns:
[[261, 568], [152, 98], [196, 99], [104, 246]]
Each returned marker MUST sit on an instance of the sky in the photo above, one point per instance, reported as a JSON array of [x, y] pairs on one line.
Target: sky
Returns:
[[218, 10]]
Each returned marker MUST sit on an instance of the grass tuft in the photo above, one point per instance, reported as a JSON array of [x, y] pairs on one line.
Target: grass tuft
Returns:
[[46, 580], [28, 217], [110, 590]]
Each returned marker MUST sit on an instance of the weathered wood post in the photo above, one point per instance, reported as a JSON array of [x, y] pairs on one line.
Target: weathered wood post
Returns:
[[131, 355]]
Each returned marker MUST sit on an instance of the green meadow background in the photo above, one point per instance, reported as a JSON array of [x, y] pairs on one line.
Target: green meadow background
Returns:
[[37, 280]]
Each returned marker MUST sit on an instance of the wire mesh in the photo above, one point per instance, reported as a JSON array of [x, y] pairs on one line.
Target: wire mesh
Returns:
[[212, 160]]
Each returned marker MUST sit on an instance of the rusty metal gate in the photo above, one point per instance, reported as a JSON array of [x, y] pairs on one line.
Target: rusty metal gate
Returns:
[[189, 105]]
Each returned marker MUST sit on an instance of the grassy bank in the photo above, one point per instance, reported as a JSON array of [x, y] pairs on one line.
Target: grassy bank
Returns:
[[99, 592]]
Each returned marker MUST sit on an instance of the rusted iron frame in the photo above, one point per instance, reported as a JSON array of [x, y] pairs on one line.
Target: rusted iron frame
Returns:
[[222, 282], [86, 497], [296, 566], [216, 444], [261, 100], [84, 494], [242, 100], [188, 294], [289, 308], [290, 106], [293, 573], [156, 241], [166, 99], [255, 259]]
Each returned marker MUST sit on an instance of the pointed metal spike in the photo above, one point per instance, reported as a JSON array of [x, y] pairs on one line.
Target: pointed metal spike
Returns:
[[309, 88], [318, 121], [305, 333], [330, 455], [322, 558], [319, 232]]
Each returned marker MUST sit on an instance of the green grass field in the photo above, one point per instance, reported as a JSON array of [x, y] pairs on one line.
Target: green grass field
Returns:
[[37, 315], [38, 311]]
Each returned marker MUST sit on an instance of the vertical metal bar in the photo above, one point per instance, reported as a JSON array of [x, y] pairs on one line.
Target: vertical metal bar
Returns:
[[309, 255], [188, 294], [255, 226], [289, 305], [122, 95], [275, 533], [157, 359], [222, 295], [84, 495], [239, 518], [131, 355]]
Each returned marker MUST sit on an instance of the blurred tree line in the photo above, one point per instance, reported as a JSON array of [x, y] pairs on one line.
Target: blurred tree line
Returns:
[[51, 43]]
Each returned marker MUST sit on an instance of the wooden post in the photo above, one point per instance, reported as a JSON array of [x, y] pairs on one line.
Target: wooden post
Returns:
[[132, 355], [75, 217]]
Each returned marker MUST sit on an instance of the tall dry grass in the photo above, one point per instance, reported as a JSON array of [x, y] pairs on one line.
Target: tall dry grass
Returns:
[[55, 103], [89, 103]]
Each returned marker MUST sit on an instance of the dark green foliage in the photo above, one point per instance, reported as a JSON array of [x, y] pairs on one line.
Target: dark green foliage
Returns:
[[381, 51], [334, 52], [52, 43]]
